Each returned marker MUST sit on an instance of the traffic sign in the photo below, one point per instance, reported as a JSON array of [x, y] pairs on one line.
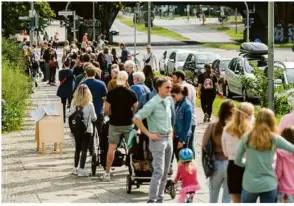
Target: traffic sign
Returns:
[[23, 17], [65, 13]]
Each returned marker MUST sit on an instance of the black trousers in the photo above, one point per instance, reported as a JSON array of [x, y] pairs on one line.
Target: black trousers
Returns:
[[207, 99], [82, 143], [98, 124], [52, 74], [63, 101]]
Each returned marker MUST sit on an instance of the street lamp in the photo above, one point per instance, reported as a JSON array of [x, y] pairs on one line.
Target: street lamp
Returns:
[[270, 32]]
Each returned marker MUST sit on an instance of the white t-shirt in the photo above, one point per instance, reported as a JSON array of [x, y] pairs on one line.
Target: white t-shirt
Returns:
[[152, 62], [108, 58]]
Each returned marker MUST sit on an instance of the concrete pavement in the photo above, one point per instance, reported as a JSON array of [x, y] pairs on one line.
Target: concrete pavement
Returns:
[[31, 177]]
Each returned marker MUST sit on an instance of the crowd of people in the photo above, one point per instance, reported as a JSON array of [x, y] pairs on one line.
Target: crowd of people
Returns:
[[162, 108]]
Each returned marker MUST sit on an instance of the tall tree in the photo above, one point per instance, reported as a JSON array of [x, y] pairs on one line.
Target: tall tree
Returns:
[[12, 10]]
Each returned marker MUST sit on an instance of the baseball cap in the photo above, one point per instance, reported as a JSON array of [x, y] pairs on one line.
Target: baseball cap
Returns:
[[122, 77], [148, 47]]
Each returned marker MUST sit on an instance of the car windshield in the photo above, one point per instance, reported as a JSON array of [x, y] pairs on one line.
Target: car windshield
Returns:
[[290, 75], [224, 64], [206, 58], [182, 57]]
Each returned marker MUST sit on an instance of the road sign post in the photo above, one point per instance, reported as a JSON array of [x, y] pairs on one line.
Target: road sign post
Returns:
[[65, 13]]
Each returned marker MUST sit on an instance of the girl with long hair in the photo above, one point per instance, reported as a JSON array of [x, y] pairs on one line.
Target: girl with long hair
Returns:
[[214, 132], [260, 145], [240, 124], [149, 76], [83, 100]]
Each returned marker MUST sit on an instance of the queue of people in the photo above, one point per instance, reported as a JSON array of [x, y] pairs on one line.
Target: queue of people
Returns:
[[167, 105]]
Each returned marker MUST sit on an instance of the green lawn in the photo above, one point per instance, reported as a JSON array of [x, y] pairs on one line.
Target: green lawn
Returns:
[[230, 31], [227, 46], [156, 30]]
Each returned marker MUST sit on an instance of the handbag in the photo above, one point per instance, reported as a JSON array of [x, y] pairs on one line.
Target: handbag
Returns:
[[208, 156]]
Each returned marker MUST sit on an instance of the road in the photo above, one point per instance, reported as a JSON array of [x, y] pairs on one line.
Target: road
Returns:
[[194, 30]]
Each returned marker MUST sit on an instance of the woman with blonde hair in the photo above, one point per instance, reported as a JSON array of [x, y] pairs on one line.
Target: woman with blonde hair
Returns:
[[83, 100], [260, 145], [240, 124]]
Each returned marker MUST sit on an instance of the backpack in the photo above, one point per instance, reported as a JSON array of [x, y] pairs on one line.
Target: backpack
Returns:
[[208, 156], [76, 124]]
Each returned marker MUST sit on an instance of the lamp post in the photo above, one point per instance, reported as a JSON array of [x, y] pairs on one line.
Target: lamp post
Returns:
[[270, 33], [247, 21]]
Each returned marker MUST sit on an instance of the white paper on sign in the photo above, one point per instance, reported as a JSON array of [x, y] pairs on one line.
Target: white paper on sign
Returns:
[[38, 114], [51, 110]]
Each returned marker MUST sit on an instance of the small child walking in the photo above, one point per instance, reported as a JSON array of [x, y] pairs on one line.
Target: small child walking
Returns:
[[187, 172], [285, 168]]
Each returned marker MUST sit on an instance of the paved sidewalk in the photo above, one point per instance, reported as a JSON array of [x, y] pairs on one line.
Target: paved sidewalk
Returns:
[[31, 177]]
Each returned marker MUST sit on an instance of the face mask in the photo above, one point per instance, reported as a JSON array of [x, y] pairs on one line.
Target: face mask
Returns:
[[251, 120]]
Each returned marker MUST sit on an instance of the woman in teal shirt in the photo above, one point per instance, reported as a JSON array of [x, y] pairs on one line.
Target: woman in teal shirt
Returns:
[[260, 145]]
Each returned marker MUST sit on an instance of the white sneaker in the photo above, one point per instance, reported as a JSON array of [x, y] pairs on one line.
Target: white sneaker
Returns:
[[105, 177], [83, 173], [74, 171]]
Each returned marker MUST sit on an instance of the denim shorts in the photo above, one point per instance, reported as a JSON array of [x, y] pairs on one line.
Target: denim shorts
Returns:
[[284, 198]]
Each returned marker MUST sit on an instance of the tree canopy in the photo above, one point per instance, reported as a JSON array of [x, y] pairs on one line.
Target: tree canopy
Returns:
[[12, 10]]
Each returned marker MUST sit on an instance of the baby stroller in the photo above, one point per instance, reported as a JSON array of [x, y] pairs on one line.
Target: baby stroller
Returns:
[[99, 155], [139, 162]]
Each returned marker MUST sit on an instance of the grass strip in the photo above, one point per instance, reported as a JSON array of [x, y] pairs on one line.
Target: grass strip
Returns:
[[155, 30]]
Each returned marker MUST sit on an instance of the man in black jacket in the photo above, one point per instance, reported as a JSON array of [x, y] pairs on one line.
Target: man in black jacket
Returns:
[[46, 57]]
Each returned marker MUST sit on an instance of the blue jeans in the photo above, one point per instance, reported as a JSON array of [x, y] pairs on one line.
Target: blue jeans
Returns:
[[265, 197], [218, 179]]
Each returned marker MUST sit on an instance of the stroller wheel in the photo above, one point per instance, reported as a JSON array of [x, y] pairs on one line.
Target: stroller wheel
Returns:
[[170, 189], [129, 184], [93, 164]]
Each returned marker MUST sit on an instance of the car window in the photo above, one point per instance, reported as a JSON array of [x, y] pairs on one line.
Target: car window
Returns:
[[173, 56], [249, 66], [181, 57], [206, 58], [224, 65], [290, 75], [233, 64], [189, 58], [239, 66], [164, 55]]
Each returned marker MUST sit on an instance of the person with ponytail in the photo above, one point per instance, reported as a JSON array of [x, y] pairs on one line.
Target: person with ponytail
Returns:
[[260, 145], [183, 122], [240, 124], [214, 133]]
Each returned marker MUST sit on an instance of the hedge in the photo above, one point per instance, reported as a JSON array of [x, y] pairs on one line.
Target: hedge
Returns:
[[16, 86]]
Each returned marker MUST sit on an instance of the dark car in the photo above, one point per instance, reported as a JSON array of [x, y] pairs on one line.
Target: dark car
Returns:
[[194, 64]]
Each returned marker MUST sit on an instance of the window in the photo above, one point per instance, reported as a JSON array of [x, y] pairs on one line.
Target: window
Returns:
[[290, 75], [232, 64], [164, 55], [173, 56], [182, 57]]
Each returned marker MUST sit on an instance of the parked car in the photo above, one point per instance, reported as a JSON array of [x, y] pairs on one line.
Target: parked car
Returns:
[[194, 64], [176, 60], [219, 67], [287, 76], [163, 61], [114, 31], [252, 54]]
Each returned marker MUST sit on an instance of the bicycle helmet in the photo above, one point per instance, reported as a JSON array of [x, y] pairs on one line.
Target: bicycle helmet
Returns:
[[186, 155]]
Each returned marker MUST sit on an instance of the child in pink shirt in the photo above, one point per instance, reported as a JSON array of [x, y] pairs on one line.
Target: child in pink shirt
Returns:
[[285, 169], [188, 174]]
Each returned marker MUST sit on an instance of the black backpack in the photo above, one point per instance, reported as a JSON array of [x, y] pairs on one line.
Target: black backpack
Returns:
[[75, 121], [208, 157]]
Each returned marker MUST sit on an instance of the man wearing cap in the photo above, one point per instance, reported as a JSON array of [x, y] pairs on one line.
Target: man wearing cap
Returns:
[[120, 105], [149, 58]]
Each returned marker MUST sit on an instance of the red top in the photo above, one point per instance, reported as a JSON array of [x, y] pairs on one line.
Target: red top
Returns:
[[187, 178]]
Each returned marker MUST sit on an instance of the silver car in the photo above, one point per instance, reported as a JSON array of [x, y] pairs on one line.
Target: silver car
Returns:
[[176, 60], [163, 61]]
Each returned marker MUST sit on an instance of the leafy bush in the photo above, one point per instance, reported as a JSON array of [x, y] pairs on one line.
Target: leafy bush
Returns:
[[260, 85], [15, 87]]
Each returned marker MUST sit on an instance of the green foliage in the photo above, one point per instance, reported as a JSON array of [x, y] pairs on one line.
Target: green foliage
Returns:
[[15, 87], [260, 86], [12, 10], [12, 52]]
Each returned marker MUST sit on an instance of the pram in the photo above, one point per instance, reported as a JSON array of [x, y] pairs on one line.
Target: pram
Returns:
[[139, 162], [99, 155]]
